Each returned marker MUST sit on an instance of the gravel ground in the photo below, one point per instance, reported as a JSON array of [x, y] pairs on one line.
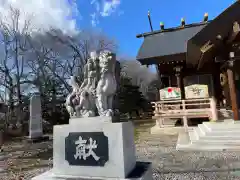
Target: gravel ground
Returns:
[[168, 163], [25, 161]]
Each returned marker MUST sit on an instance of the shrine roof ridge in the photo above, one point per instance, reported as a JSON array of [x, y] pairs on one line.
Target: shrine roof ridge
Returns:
[[172, 29]]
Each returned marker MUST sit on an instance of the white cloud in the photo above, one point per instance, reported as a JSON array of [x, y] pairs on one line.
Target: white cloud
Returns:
[[104, 8], [109, 7], [94, 20], [43, 14]]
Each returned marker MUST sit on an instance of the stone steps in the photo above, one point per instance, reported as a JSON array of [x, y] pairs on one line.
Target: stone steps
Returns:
[[214, 140], [203, 133], [184, 144], [222, 125], [218, 136], [211, 136]]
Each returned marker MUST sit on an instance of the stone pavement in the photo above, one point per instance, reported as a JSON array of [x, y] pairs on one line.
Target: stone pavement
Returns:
[[168, 163]]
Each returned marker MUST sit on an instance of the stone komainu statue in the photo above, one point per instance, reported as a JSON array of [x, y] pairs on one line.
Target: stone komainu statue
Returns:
[[97, 91], [107, 85]]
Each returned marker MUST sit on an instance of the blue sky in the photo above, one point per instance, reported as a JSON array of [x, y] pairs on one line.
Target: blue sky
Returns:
[[130, 18]]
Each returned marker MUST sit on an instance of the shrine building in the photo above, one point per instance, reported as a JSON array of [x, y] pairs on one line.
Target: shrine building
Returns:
[[205, 53]]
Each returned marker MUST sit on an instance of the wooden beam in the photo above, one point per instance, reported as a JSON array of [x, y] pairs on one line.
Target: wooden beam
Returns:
[[235, 32]]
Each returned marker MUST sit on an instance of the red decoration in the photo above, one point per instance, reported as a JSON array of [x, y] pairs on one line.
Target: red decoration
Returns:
[[169, 90]]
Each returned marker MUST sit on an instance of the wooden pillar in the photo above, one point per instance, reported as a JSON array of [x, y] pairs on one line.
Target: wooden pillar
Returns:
[[232, 88], [180, 81], [180, 85], [164, 81], [159, 74], [217, 85], [169, 81]]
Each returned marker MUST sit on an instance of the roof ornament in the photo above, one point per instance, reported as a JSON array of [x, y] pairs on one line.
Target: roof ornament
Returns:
[[205, 17], [161, 25], [150, 21], [183, 22]]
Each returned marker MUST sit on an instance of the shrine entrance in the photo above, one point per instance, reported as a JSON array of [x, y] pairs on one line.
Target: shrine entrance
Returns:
[[218, 45]]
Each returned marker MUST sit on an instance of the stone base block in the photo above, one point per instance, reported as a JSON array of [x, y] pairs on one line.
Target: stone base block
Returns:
[[113, 144], [142, 171], [38, 139], [35, 134]]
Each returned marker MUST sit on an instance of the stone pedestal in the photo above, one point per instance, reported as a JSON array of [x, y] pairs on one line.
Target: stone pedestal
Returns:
[[95, 148], [36, 121]]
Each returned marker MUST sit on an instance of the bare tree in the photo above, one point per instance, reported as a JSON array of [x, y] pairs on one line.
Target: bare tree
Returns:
[[80, 46], [53, 57], [41, 61], [140, 75], [12, 61], [13, 45]]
